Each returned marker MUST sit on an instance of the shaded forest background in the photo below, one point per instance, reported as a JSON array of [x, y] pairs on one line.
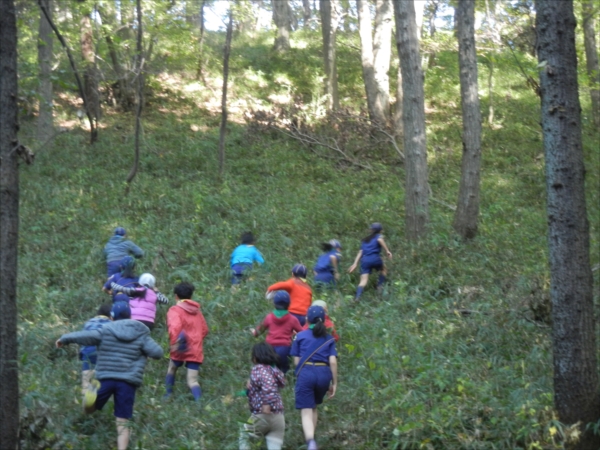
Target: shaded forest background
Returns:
[[455, 353]]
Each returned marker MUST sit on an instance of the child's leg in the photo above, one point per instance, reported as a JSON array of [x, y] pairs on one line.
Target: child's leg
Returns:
[[170, 378], [192, 380], [308, 416], [275, 436], [364, 279], [86, 377], [123, 432]]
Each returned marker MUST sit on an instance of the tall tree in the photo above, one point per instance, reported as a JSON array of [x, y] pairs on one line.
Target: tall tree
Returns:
[[45, 129], [223, 128], [591, 58], [282, 18], [416, 196], [576, 385], [375, 55], [90, 72], [200, 71], [306, 13], [329, 24], [9, 228], [467, 211]]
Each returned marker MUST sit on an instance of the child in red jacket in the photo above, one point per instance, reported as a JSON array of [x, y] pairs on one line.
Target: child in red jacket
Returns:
[[300, 292], [187, 330], [280, 326], [328, 323]]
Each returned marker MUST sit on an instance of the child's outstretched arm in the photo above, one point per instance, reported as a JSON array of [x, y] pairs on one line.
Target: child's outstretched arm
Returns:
[[385, 247], [161, 298], [131, 292], [356, 260]]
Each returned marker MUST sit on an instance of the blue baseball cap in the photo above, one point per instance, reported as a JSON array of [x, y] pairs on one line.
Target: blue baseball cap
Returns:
[[281, 298], [120, 310], [376, 226], [335, 243], [315, 313], [299, 270], [120, 231]]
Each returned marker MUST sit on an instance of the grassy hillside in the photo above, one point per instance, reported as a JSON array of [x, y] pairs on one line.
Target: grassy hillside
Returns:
[[414, 371]]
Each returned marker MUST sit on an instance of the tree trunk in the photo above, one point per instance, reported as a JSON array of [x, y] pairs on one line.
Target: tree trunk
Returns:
[[382, 52], [576, 385], [591, 59], [200, 72], [467, 211], [139, 95], [433, 9], [329, 23], [415, 146], [223, 128], [306, 13], [419, 12], [90, 75], [281, 17], [9, 228], [45, 129], [366, 53]]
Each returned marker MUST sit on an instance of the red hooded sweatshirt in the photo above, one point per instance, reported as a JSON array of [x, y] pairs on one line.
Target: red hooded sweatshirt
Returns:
[[186, 316]]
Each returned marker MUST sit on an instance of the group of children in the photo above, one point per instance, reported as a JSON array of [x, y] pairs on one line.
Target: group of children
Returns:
[[117, 342]]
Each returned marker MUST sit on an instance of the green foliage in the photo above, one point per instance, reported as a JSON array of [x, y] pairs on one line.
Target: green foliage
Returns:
[[450, 355]]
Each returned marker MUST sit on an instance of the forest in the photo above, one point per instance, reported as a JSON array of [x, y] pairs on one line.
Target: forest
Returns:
[[469, 129]]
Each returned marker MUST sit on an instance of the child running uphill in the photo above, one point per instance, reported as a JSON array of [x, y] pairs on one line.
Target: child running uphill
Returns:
[[328, 323], [143, 299], [326, 269], [187, 330], [266, 405], [300, 292], [242, 258], [123, 348], [125, 278], [89, 354], [369, 256], [315, 357], [117, 248], [280, 326]]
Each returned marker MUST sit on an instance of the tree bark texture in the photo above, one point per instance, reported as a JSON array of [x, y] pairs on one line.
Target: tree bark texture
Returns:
[[223, 128], [329, 23], [200, 72], [139, 94], [45, 125], [382, 52], [467, 211], [281, 17], [9, 228], [416, 197], [366, 55], [90, 72], [591, 58], [306, 13], [576, 388]]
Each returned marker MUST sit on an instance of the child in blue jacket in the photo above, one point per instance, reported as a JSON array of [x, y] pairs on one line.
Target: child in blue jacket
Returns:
[[117, 248], [88, 354], [242, 258]]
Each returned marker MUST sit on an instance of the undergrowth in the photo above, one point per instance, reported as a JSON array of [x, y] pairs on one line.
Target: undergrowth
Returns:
[[450, 355]]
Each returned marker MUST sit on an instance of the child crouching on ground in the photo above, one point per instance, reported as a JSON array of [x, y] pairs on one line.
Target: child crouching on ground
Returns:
[[88, 354], [123, 348], [187, 330], [280, 326], [265, 400]]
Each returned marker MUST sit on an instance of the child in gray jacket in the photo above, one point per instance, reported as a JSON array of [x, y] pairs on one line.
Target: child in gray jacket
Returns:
[[123, 348]]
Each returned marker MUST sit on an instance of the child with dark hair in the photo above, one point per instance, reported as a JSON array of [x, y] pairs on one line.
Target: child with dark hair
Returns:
[[124, 345], [280, 326], [125, 278], [116, 249], [143, 299], [326, 269], [300, 292], [187, 330], [369, 256], [243, 256], [315, 357], [266, 405], [88, 354]]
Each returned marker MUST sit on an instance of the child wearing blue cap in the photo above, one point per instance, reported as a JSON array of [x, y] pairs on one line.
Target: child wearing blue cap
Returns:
[[326, 269], [117, 248], [124, 345], [125, 278], [280, 326], [315, 357], [242, 258], [369, 256]]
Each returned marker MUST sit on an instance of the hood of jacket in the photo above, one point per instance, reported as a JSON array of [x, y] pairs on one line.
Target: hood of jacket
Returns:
[[126, 330], [116, 239], [189, 306]]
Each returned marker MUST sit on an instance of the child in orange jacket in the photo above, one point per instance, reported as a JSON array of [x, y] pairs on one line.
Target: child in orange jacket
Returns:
[[300, 292], [187, 330]]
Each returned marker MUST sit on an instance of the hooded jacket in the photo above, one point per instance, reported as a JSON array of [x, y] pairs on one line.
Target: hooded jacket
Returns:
[[118, 248], [186, 316], [123, 348]]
